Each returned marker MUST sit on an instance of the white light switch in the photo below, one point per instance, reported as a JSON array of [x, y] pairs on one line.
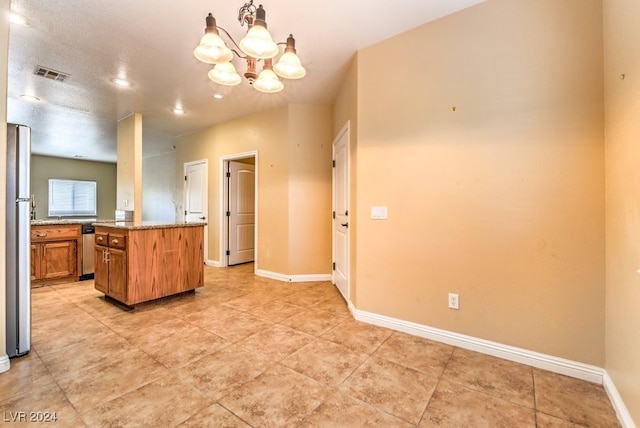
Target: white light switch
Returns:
[[379, 213]]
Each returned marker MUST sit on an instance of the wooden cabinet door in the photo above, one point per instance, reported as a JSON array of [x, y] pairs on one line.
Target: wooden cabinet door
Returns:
[[117, 274], [59, 259], [101, 271], [35, 262]]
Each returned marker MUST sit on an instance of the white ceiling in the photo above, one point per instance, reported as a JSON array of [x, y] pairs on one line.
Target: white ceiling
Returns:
[[151, 43]]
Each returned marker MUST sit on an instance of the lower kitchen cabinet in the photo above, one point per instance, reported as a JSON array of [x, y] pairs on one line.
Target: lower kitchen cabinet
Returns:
[[55, 253], [110, 275]]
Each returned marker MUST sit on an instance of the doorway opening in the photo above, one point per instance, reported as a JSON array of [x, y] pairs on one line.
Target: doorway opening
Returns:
[[196, 196], [239, 209]]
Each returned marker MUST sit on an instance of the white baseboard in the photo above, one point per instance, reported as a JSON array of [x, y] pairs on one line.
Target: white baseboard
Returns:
[[213, 263], [293, 278], [616, 400], [542, 361], [4, 363]]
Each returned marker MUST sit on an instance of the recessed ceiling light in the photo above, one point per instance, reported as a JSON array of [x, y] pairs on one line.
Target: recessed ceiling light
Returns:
[[218, 96], [124, 83], [31, 98], [178, 110], [14, 18]]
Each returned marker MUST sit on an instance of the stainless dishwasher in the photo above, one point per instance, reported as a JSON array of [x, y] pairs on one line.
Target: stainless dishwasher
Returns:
[[88, 243]]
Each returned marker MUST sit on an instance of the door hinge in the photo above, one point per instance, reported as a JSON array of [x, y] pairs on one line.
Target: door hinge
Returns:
[[228, 213], [346, 212], [333, 163], [334, 215], [228, 253], [334, 266], [185, 212], [185, 178], [228, 175]]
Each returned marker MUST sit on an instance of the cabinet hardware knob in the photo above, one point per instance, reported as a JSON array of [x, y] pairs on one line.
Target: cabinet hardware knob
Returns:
[[115, 241], [99, 238], [41, 235]]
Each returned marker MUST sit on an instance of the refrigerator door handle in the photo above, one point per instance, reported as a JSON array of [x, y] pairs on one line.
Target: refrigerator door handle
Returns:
[[23, 200]]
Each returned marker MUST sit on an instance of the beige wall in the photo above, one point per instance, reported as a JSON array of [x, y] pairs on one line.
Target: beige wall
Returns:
[[45, 167], [309, 190], [501, 200], [158, 188], [622, 104], [129, 171], [4, 59], [272, 135]]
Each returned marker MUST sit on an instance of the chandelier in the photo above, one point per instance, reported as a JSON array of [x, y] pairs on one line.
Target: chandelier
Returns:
[[257, 45]]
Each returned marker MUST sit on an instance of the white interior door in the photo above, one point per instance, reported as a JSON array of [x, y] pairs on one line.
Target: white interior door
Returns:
[[196, 195], [241, 213], [340, 274]]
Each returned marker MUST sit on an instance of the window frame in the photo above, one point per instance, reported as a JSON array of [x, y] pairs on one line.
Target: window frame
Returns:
[[88, 185]]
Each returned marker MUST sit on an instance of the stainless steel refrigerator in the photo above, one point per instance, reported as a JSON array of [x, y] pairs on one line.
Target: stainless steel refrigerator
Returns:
[[18, 240]]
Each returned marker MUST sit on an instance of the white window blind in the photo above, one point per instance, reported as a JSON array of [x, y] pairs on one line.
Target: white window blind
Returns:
[[72, 197]]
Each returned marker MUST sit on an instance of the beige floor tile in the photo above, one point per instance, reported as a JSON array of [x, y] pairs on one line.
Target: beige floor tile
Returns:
[[326, 362], [214, 313], [85, 355], [358, 336], [152, 334], [127, 323], [276, 341], [335, 305], [417, 353], [398, 390], [495, 376], [62, 331], [90, 388], [214, 416], [547, 421], [98, 307], [237, 327], [276, 311], [454, 405], [26, 373], [314, 322], [165, 402], [43, 402], [180, 349], [574, 400], [221, 372], [306, 298], [278, 397], [341, 410]]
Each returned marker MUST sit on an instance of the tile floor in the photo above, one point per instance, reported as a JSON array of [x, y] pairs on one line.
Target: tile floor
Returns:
[[249, 351]]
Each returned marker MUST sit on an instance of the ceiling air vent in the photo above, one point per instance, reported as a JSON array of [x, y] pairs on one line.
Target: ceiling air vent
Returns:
[[58, 76]]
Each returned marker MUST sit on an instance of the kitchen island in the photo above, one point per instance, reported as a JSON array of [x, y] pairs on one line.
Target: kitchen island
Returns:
[[136, 262]]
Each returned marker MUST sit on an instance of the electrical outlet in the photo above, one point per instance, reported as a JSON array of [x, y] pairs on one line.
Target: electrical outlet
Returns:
[[454, 301]]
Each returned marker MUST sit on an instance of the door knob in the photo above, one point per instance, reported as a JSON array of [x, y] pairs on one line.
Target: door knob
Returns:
[[344, 224], [202, 218]]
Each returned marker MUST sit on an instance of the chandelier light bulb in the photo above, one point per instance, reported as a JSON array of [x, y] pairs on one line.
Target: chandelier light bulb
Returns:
[[289, 66], [212, 49], [225, 74]]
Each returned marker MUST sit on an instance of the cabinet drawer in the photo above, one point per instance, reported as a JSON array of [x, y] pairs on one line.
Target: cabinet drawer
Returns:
[[117, 241], [102, 238], [53, 233]]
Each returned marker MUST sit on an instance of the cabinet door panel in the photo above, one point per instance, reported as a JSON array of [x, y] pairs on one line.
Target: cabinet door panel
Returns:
[[59, 259], [35, 262], [101, 272], [118, 274]]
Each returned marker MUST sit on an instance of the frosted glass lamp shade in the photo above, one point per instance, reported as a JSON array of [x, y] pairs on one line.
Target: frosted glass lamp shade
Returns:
[[268, 82], [212, 49], [225, 74], [289, 66], [258, 43]]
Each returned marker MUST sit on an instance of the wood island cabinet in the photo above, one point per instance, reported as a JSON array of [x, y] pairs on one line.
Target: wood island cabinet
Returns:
[[142, 262], [110, 275], [55, 251]]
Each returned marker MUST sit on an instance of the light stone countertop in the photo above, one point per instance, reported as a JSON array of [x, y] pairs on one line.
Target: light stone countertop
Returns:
[[137, 225]]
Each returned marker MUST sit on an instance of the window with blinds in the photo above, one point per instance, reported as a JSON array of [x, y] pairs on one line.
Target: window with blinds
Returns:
[[72, 197]]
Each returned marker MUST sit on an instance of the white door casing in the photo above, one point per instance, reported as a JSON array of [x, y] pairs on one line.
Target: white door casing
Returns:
[[241, 212], [196, 195], [340, 273]]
